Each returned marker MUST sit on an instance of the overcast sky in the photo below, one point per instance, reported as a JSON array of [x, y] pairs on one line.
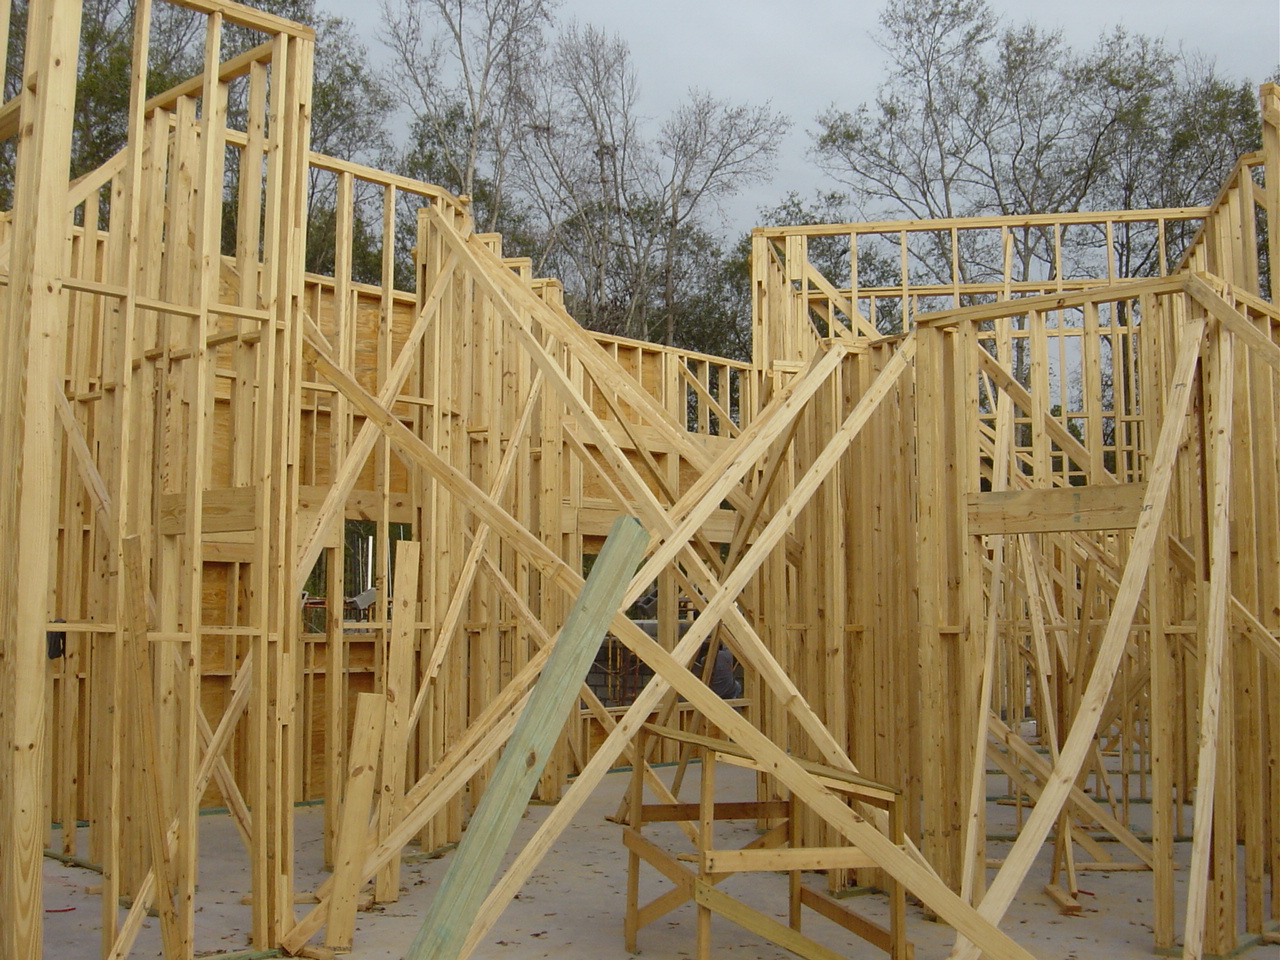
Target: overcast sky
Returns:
[[803, 55]]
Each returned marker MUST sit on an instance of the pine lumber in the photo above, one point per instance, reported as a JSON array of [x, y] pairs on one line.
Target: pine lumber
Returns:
[[1214, 655], [1056, 510], [140, 672], [33, 346], [1079, 738], [192, 419], [348, 472], [396, 724], [366, 743], [446, 924]]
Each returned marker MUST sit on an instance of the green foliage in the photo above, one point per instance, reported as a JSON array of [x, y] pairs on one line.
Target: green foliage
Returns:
[[349, 104], [100, 118], [366, 246]]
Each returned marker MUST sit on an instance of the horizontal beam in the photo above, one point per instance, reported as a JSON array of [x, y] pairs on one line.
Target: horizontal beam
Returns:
[[983, 223], [1057, 509], [224, 510]]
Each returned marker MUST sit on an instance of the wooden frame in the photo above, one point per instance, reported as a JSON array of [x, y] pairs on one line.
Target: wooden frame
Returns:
[[190, 419], [772, 851]]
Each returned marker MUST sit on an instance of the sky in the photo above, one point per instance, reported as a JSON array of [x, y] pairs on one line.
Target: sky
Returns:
[[804, 55]]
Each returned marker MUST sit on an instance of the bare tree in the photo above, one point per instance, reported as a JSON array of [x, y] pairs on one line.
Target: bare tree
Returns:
[[710, 149], [979, 118], [459, 67], [625, 216], [546, 137], [585, 167]]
